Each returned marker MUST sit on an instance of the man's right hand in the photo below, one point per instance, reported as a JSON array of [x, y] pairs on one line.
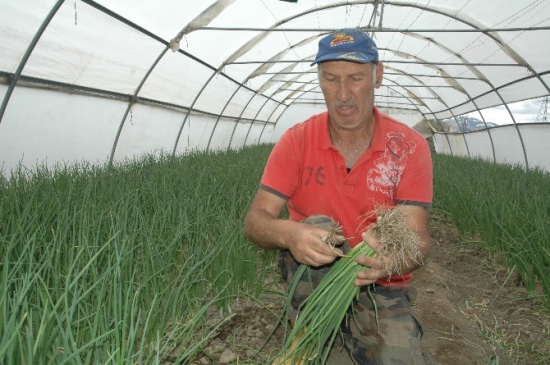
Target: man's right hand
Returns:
[[307, 245], [304, 240]]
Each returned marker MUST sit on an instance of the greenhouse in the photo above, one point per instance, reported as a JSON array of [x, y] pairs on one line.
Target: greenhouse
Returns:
[[134, 133]]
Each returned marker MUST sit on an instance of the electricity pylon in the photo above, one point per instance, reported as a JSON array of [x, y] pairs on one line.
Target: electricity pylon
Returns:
[[543, 111]]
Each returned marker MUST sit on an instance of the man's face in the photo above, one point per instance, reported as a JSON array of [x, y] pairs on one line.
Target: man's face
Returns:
[[348, 88]]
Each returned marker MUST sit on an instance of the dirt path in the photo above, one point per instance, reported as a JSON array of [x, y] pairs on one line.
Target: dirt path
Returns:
[[472, 311], [473, 308]]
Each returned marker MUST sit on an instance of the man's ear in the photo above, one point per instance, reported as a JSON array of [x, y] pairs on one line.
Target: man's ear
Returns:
[[379, 75]]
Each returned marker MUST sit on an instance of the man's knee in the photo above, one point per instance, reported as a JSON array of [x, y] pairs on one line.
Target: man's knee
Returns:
[[386, 328]]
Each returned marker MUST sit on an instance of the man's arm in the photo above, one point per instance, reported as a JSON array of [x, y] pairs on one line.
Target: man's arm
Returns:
[[263, 227], [417, 219]]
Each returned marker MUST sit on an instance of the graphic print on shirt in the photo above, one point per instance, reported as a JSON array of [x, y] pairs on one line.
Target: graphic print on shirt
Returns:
[[388, 168]]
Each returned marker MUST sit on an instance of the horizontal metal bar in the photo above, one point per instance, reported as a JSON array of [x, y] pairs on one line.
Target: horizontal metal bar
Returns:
[[376, 95], [112, 95], [391, 61], [400, 85], [305, 102], [385, 73], [380, 30]]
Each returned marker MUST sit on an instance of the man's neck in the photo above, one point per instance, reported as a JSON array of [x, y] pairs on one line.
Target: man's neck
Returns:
[[352, 143], [360, 136]]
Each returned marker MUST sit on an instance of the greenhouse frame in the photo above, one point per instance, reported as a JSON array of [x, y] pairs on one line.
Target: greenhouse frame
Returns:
[[137, 182], [107, 81]]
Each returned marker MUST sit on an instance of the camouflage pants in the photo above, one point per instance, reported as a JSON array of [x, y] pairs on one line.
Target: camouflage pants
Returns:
[[394, 340]]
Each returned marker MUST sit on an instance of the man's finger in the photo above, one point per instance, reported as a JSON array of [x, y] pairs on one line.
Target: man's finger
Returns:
[[371, 241]]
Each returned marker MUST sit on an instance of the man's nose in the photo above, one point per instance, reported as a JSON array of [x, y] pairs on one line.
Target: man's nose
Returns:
[[344, 93]]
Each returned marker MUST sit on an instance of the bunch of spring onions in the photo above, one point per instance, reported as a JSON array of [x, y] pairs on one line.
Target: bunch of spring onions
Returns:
[[322, 312]]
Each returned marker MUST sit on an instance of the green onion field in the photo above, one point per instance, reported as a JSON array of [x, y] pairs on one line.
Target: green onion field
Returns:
[[119, 265]]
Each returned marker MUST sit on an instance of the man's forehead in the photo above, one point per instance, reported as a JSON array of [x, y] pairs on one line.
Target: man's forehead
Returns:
[[345, 67]]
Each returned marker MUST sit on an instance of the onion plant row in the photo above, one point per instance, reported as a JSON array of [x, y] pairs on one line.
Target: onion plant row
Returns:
[[506, 207], [119, 265]]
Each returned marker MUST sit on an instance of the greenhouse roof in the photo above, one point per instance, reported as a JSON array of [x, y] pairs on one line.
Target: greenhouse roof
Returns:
[[96, 80]]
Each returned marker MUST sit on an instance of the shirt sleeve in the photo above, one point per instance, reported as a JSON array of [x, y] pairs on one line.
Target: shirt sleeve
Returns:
[[281, 172]]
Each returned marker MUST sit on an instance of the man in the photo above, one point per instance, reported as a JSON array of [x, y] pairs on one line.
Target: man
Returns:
[[338, 167]]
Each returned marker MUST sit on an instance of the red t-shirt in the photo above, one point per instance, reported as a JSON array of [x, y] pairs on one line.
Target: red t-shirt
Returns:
[[308, 170]]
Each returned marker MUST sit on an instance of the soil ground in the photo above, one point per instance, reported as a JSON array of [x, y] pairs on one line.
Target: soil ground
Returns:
[[473, 310]]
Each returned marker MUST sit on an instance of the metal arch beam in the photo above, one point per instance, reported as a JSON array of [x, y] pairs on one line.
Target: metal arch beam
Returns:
[[83, 90], [273, 79], [27, 55], [155, 63], [505, 85], [274, 124], [434, 94], [286, 84], [388, 61], [134, 98], [417, 98], [258, 38], [286, 106], [279, 56], [204, 18], [453, 83], [410, 101], [253, 121], [482, 78], [396, 91], [176, 142], [210, 13], [219, 116], [444, 103], [450, 110], [470, 23], [239, 118], [411, 95], [449, 79], [446, 49], [131, 103], [416, 79], [268, 64], [262, 89], [268, 84], [505, 48], [269, 118], [251, 43], [419, 61], [379, 29]]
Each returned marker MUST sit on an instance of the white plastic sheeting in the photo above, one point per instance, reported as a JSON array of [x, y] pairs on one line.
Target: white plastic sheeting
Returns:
[[511, 144], [108, 80]]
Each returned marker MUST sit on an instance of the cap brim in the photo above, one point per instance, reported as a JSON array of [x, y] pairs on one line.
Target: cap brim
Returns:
[[356, 57]]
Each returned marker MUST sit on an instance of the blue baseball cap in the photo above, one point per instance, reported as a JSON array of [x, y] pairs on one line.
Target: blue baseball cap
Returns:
[[351, 45]]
